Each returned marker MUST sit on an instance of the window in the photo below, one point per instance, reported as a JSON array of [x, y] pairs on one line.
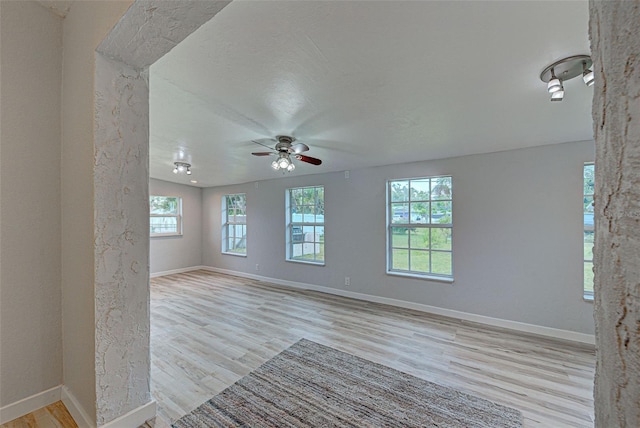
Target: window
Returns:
[[588, 177], [420, 226], [305, 224], [234, 217], [165, 215]]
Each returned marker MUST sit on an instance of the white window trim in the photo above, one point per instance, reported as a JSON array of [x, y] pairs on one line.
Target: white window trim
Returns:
[[177, 216], [586, 295], [390, 225], [290, 225], [226, 223]]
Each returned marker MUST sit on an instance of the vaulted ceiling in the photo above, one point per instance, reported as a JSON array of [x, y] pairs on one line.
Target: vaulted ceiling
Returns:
[[364, 83]]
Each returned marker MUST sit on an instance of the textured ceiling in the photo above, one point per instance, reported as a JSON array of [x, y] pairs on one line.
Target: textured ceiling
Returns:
[[364, 83]]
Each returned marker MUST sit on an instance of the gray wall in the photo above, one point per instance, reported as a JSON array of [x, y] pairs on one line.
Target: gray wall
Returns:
[[30, 296], [176, 252], [517, 234]]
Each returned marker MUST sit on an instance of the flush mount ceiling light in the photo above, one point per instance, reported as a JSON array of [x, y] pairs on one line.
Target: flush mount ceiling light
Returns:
[[182, 167], [566, 69]]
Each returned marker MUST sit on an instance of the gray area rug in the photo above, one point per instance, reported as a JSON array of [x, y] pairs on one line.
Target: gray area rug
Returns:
[[312, 385]]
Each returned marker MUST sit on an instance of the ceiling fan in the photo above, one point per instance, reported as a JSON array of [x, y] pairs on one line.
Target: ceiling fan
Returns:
[[284, 149]]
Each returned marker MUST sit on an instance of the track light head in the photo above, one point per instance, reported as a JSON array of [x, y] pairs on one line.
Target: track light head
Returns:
[[557, 95], [554, 85], [588, 77]]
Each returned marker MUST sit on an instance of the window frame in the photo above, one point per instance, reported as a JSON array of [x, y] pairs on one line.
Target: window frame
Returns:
[[178, 217], [292, 225], [587, 294], [234, 223], [411, 226]]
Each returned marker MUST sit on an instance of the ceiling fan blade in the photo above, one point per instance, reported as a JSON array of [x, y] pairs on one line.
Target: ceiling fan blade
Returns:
[[309, 159], [299, 148], [263, 145], [263, 153]]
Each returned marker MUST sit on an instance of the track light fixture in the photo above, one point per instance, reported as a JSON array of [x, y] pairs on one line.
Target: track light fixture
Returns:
[[182, 167], [565, 69]]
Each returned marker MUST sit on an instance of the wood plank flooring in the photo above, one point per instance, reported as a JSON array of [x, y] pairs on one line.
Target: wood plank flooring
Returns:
[[208, 330], [54, 415]]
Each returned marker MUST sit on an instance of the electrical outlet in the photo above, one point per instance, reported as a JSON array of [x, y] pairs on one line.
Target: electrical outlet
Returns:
[[257, 266], [347, 281]]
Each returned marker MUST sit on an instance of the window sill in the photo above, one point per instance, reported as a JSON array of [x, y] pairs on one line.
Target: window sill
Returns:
[[166, 235], [226, 253], [306, 262], [423, 277], [588, 298]]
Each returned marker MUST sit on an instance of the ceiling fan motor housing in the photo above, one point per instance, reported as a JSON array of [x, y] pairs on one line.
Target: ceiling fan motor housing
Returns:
[[284, 143]]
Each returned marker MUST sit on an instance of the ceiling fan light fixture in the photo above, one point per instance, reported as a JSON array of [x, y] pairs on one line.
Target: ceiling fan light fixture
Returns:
[[285, 150], [284, 162]]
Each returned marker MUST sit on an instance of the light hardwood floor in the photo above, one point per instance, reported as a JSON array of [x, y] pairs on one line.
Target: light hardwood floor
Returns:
[[54, 415], [208, 330]]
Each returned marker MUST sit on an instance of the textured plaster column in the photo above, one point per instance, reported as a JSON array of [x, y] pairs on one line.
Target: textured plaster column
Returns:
[[121, 202], [147, 31], [615, 42]]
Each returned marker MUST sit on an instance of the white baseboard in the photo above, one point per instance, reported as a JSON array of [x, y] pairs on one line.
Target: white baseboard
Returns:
[[76, 410], [29, 404], [495, 322], [171, 272], [134, 418]]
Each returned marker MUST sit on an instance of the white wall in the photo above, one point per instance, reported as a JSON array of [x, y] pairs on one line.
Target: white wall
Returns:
[[176, 252], [31, 330], [84, 28], [517, 235]]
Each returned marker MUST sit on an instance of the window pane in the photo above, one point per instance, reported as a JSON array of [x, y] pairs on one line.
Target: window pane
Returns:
[[419, 212], [308, 233], [297, 250], [441, 238], [309, 214], [420, 238], [400, 213], [420, 261], [420, 217], [163, 225], [320, 233], [399, 237], [319, 202], [420, 190], [588, 277], [589, 180], [588, 245], [399, 191], [441, 212], [400, 259], [163, 205], [441, 263], [320, 254], [441, 188]]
